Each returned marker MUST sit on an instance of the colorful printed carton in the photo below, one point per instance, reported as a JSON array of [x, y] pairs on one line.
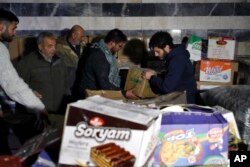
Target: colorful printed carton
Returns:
[[192, 138], [103, 131], [217, 71]]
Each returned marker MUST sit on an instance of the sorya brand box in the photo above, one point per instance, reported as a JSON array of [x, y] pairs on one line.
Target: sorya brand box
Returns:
[[104, 132], [221, 48], [217, 71], [141, 86], [192, 138]]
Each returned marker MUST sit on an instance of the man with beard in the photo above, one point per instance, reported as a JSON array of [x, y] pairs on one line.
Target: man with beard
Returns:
[[179, 74], [46, 73], [12, 87], [100, 71]]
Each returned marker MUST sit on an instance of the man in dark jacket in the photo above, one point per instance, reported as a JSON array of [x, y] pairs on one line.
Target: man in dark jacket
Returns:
[[45, 73], [100, 71], [179, 74]]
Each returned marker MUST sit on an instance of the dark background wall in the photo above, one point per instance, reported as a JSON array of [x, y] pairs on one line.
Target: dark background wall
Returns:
[[135, 17]]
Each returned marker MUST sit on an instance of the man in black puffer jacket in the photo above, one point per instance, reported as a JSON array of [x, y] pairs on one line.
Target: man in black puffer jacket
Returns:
[[179, 74]]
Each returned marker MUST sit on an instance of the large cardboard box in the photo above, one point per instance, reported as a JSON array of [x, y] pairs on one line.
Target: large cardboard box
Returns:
[[21, 46], [110, 94], [192, 138], [218, 71], [97, 124], [123, 61], [141, 86], [221, 48], [202, 85]]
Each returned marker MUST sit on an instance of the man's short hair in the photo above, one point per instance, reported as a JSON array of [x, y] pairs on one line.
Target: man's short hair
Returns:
[[116, 36], [43, 35], [8, 16], [161, 39], [136, 50]]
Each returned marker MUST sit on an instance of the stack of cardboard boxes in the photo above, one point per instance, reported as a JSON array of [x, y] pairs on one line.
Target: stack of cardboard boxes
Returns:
[[219, 68], [100, 132]]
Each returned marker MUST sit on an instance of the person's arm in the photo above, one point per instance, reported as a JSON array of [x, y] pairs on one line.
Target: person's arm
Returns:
[[172, 77], [149, 74], [101, 69], [14, 86]]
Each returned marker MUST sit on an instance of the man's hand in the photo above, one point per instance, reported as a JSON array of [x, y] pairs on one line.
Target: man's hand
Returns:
[[42, 121], [130, 95], [147, 74], [37, 94]]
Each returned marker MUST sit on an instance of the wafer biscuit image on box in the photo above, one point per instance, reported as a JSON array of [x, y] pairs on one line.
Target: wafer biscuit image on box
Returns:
[[111, 155]]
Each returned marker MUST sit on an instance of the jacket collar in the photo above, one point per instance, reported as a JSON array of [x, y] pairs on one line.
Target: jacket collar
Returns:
[[43, 57]]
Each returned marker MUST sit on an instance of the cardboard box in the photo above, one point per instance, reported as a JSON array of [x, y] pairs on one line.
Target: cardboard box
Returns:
[[14, 48], [192, 138], [110, 94], [221, 48], [202, 85], [97, 121], [21, 46], [142, 87], [218, 71]]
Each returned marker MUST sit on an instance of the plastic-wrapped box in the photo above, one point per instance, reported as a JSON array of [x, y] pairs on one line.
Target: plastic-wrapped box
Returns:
[[234, 98]]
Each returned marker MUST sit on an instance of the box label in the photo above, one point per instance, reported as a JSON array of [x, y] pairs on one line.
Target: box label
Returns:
[[98, 125], [221, 48], [215, 71]]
